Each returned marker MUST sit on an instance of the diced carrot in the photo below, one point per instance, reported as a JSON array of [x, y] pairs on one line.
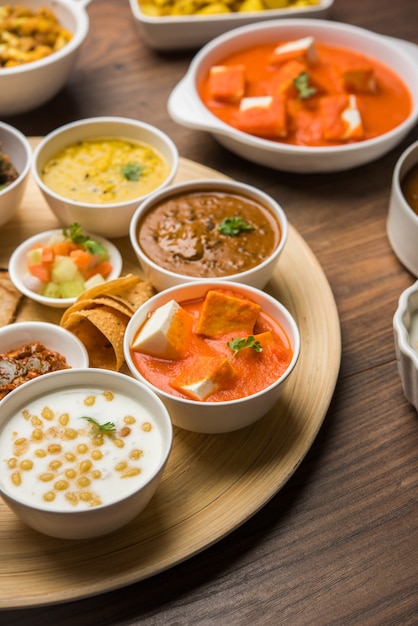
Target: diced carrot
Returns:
[[63, 248], [47, 254], [104, 268], [83, 259], [41, 271]]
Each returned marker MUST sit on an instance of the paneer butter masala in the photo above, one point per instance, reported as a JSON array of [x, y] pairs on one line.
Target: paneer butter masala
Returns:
[[304, 92], [218, 348]]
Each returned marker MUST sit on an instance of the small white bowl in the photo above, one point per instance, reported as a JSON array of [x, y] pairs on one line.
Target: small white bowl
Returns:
[[186, 108], [15, 145], [206, 416], [25, 87], [257, 276], [402, 221], [18, 267], [179, 32], [110, 219], [98, 520], [405, 328]]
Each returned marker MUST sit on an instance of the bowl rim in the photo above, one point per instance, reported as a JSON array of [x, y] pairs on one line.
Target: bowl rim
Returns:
[[77, 9], [93, 121], [18, 252], [238, 287], [398, 175], [42, 381], [399, 326], [24, 142], [210, 184], [217, 126]]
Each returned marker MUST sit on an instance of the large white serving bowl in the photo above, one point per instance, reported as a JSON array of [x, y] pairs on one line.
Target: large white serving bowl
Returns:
[[402, 221], [18, 267], [216, 417], [110, 219], [179, 32], [163, 278], [186, 108], [105, 518], [16, 146], [25, 87]]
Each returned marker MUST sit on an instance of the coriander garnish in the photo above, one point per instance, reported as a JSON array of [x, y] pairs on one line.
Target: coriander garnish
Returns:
[[132, 171], [301, 83], [240, 343], [232, 226], [107, 428], [77, 235]]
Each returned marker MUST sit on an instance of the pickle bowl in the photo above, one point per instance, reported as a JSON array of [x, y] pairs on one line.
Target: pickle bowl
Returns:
[[91, 477], [110, 218], [208, 254], [30, 286], [214, 417], [405, 330], [186, 106], [16, 149]]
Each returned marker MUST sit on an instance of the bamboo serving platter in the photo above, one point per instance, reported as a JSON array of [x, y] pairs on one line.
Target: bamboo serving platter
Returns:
[[212, 483]]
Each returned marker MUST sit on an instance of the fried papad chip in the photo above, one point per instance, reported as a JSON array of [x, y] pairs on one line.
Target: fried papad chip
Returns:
[[135, 296], [113, 287], [101, 330]]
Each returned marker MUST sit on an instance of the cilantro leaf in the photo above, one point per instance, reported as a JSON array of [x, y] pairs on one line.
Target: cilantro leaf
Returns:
[[240, 343], [232, 226], [76, 234], [301, 83], [132, 171]]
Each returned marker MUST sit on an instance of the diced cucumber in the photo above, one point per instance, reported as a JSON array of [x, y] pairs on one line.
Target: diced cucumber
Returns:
[[34, 256], [63, 270], [72, 288], [97, 279], [51, 290]]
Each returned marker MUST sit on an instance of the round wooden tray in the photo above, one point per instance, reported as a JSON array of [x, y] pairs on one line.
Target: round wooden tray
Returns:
[[213, 483]]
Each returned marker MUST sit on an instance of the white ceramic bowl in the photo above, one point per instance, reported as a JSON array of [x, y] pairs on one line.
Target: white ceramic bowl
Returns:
[[216, 417], [110, 219], [162, 278], [18, 267], [15, 145], [192, 31], [25, 87], [402, 221], [405, 328], [186, 108], [52, 336], [105, 518]]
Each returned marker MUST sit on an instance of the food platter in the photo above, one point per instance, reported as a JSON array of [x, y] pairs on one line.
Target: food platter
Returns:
[[212, 483]]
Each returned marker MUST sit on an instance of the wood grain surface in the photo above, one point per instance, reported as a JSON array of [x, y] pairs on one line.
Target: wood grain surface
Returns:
[[212, 484], [337, 545]]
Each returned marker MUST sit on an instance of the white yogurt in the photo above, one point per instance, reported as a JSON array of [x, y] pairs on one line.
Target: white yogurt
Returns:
[[54, 458]]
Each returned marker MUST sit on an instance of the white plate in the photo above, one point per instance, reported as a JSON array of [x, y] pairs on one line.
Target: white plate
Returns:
[[193, 31]]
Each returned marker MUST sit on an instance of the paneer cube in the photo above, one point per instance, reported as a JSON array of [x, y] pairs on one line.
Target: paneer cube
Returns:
[[209, 374], [286, 74], [223, 314], [303, 48], [264, 116], [166, 333], [227, 83], [359, 80], [341, 118]]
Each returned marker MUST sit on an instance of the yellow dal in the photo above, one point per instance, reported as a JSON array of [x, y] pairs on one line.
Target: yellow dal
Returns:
[[91, 171]]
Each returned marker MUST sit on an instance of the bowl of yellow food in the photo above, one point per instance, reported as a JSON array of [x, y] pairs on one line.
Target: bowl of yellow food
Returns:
[[176, 25], [301, 95], [218, 354], [224, 230], [82, 451], [96, 171], [54, 267], [15, 163], [39, 47]]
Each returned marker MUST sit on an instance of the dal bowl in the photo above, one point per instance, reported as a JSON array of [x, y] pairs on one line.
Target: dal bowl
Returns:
[[173, 248], [204, 415], [186, 107], [94, 458], [27, 86], [402, 221], [110, 218], [31, 287], [15, 146]]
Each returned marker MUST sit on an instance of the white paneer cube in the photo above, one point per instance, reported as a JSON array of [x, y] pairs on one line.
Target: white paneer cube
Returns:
[[164, 333], [210, 375], [304, 47], [263, 102], [352, 118]]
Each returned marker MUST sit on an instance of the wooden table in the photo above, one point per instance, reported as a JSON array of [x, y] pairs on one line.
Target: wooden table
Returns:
[[338, 543]]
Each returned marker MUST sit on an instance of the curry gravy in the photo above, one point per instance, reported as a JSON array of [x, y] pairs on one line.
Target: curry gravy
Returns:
[[182, 234], [409, 185]]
